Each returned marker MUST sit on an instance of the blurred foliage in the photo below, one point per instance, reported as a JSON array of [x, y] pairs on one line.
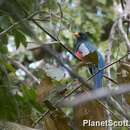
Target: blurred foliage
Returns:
[[61, 18]]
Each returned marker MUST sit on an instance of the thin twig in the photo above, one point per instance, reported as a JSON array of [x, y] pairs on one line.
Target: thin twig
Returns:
[[17, 23], [8, 29], [122, 4], [61, 16], [40, 118], [115, 82]]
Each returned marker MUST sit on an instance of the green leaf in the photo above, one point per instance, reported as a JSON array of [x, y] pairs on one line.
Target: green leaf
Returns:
[[19, 38], [29, 94], [4, 38], [3, 49], [10, 68], [4, 22], [102, 1]]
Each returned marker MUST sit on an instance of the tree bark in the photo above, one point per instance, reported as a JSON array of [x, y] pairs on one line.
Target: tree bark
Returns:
[[13, 126]]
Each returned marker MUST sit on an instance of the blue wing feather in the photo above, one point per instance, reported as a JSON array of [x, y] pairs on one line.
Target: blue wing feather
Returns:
[[98, 78]]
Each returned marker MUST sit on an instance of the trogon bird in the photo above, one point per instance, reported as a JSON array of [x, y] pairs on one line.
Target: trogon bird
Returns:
[[85, 50]]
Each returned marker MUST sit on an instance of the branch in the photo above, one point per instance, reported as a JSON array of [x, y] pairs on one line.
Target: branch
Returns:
[[127, 7], [109, 116], [100, 93], [13, 126], [61, 17], [8, 29], [122, 4], [33, 47], [108, 61], [40, 118], [113, 103], [115, 82], [108, 52], [19, 65], [126, 66], [120, 25]]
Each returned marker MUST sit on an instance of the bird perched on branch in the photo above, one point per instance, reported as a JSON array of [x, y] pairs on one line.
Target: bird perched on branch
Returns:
[[87, 52]]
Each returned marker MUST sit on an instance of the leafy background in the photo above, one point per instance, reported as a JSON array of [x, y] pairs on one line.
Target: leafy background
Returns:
[[21, 98]]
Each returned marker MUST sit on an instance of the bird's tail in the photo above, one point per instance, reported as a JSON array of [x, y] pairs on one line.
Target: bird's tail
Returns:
[[98, 80], [98, 77]]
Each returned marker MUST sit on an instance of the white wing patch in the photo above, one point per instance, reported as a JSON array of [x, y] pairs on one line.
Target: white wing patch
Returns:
[[85, 51]]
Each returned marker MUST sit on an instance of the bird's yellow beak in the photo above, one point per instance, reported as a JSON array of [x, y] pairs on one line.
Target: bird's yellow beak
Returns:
[[76, 34]]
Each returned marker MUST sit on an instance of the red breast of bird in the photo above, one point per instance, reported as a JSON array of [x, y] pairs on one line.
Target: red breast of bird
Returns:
[[82, 51]]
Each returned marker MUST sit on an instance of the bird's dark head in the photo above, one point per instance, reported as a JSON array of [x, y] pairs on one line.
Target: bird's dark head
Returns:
[[81, 35], [80, 48]]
